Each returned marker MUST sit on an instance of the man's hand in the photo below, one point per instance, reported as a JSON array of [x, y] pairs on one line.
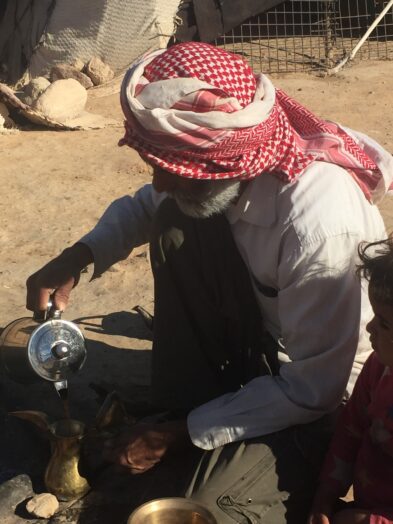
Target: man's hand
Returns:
[[143, 446], [57, 278]]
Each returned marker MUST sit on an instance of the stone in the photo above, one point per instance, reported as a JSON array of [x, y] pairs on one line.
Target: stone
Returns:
[[62, 71], [34, 89], [5, 120], [63, 100], [98, 71], [14, 491], [43, 505], [78, 64]]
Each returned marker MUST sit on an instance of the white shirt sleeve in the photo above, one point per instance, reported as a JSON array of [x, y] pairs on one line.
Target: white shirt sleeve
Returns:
[[320, 343], [124, 225], [302, 240]]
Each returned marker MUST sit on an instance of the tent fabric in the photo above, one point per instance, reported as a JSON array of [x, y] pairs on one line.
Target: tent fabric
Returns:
[[206, 20], [21, 28], [117, 31]]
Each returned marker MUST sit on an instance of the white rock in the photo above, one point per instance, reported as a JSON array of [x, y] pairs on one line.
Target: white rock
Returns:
[[62, 100], [44, 505], [35, 88], [98, 71]]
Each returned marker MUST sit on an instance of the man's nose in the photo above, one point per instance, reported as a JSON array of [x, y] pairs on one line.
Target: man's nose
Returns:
[[163, 181]]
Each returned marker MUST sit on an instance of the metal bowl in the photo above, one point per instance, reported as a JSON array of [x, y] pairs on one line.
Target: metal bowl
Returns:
[[171, 511]]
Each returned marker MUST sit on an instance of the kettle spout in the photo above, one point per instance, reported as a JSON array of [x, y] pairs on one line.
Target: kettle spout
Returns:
[[61, 386], [38, 418]]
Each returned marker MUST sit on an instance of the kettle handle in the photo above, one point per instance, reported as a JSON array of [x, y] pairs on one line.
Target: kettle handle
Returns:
[[51, 313]]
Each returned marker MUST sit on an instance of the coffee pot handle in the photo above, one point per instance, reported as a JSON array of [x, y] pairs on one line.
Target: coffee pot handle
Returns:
[[51, 313]]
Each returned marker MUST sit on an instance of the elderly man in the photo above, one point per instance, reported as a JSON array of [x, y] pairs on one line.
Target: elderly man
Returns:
[[254, 216]]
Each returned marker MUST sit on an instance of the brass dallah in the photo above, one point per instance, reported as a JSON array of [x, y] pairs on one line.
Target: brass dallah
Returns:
[[62, 475]]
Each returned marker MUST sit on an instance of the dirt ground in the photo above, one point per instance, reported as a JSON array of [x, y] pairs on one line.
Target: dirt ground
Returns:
[[56, 184]]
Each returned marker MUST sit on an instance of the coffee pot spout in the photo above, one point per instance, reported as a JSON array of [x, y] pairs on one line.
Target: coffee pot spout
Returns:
[[38, 418]]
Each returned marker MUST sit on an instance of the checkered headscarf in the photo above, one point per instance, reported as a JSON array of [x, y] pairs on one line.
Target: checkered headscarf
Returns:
[[200, 112]]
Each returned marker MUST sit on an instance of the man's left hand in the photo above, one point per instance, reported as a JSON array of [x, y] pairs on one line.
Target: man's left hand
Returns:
[[143, 446]]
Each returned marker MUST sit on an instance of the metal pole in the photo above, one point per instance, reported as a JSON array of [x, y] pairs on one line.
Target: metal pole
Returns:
[[351, 56]]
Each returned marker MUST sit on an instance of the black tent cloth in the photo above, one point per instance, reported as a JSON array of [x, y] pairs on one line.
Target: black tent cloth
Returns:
[[207, 20]]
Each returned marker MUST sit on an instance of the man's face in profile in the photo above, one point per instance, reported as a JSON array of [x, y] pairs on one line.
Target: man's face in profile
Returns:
[[197, 198]]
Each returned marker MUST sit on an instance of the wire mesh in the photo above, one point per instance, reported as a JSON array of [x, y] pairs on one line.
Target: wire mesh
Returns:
[[311, 35]]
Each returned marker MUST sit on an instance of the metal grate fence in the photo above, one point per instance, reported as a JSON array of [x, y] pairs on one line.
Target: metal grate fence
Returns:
[[312, 35]]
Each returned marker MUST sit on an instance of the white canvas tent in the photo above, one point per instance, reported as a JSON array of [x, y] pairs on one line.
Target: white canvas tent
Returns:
[[37, 34]]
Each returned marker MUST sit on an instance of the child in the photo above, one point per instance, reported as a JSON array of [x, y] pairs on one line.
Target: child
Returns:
[[361, 452]]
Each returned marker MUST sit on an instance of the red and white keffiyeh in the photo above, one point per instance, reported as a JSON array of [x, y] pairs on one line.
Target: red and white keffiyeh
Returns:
[[200, 112]]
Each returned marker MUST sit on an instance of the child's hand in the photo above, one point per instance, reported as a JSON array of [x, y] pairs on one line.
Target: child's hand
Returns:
[[323, 505], [318, 518], [352, 516]]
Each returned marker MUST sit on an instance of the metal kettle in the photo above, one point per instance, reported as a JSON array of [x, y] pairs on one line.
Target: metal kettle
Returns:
[[44, 346]]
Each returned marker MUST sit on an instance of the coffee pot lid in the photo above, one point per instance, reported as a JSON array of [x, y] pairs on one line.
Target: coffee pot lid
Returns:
[[56, 349]]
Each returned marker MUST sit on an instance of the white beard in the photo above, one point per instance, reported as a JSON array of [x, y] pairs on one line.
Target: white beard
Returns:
[[214, 199]]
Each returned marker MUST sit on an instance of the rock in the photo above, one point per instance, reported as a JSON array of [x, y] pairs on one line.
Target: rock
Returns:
[[78, 64], [62, 71], [43, 505], [98, 71], [34, 89], [63, 100], [14, 491], [5, 120]]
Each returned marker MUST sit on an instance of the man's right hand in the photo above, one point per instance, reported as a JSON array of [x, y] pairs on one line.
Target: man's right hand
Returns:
[[57, 278]]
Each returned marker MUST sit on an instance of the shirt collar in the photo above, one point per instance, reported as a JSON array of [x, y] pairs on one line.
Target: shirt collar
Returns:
[[258, 203]]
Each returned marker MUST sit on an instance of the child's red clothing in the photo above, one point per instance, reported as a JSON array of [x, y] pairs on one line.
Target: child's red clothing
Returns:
[[361, 451], [383, 517]]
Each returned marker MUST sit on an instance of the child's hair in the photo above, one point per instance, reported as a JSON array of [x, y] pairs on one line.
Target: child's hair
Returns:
[[377, 267]]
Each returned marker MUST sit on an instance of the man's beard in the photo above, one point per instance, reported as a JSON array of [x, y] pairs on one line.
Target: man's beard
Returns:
[[214, 198]]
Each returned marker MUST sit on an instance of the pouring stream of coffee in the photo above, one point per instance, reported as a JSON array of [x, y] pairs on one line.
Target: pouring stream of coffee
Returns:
[[63, 394]]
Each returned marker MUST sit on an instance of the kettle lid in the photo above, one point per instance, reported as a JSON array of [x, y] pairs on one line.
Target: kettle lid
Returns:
[[56, 349]]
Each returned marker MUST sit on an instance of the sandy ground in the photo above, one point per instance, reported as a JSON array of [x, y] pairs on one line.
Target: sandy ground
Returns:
[[55, 185]]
